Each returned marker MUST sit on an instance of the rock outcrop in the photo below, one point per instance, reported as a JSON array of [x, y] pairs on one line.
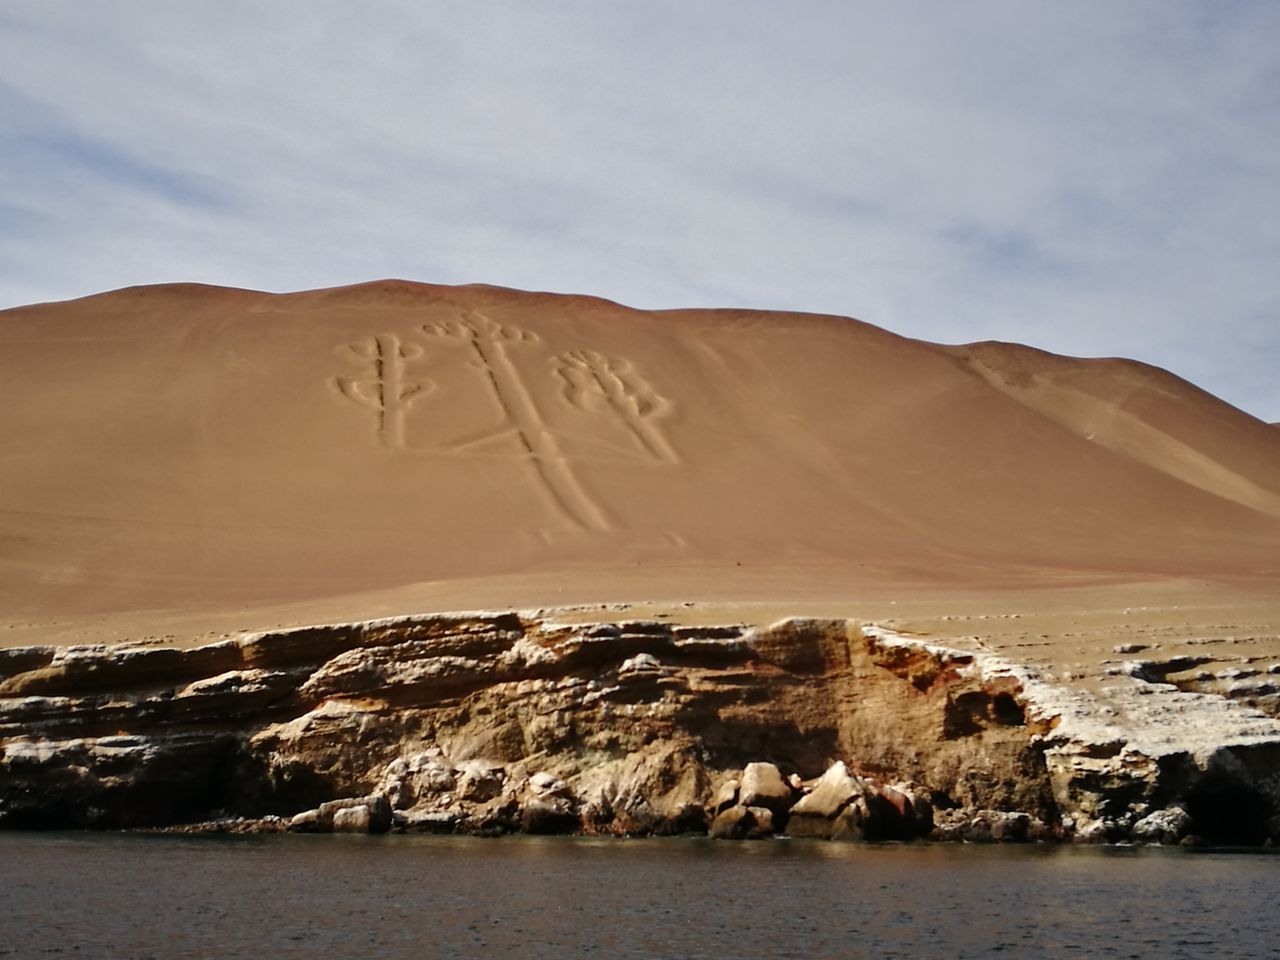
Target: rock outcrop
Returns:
[[494, 723]]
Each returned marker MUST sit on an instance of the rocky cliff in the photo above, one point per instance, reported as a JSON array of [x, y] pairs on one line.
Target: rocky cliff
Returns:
[[490, 723]]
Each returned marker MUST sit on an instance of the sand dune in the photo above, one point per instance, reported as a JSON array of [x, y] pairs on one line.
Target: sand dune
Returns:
[[1142, 413], [228, 454]]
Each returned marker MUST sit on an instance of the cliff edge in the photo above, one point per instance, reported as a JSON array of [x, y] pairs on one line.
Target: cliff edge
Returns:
[[491, 723]]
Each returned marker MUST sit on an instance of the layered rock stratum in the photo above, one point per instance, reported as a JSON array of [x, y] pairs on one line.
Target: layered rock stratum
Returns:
[[741, 572]]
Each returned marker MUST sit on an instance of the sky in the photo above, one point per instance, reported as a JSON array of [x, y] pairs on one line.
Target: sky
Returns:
[[1096, 178]]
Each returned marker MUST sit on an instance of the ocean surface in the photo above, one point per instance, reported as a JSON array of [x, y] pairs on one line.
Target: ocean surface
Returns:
[[140, 896]]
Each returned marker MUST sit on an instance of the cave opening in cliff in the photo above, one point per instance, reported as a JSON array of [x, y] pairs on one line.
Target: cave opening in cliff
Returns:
[[1229, 813], [1006, 710]]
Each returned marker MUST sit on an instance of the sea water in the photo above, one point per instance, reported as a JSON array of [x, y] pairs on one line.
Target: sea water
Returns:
[[163, 896]]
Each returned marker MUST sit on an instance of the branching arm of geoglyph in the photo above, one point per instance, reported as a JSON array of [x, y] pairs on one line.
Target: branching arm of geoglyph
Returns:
[[386, 391], [598, 384]]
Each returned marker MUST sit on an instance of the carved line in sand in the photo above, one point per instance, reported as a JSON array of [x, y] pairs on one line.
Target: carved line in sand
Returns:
[[591, 382], [599, 384], [488, 340], [386, 391]]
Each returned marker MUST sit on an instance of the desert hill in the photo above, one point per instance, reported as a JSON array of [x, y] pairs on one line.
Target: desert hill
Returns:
[[472, 559], [184, 446]]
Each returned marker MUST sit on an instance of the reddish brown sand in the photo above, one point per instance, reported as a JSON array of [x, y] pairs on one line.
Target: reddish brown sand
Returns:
[[182, 462]]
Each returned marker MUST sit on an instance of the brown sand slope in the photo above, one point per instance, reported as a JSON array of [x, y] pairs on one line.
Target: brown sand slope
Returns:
[[224, 452]]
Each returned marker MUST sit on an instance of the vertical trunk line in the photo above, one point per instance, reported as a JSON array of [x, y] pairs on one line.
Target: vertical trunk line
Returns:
[[553, 468]]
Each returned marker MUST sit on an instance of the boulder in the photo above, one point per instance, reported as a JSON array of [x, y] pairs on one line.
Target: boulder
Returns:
[[1090, 831], [763, 823], [352, 819], [742, 823], [905, 812], [308, 821], [417, 778], [660, 789], [479, 781], [993, 826], [726, 796], [762, 786], [730, 824], [840, 806], [855, 823], [1169, 826], [830, 794], [374, 818], [499, 816], [431, 821]]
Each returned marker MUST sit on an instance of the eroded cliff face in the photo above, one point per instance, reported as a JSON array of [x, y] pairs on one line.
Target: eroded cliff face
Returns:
[[491, 723]]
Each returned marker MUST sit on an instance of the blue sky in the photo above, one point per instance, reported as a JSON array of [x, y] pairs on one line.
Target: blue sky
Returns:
[[1094, 178]]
